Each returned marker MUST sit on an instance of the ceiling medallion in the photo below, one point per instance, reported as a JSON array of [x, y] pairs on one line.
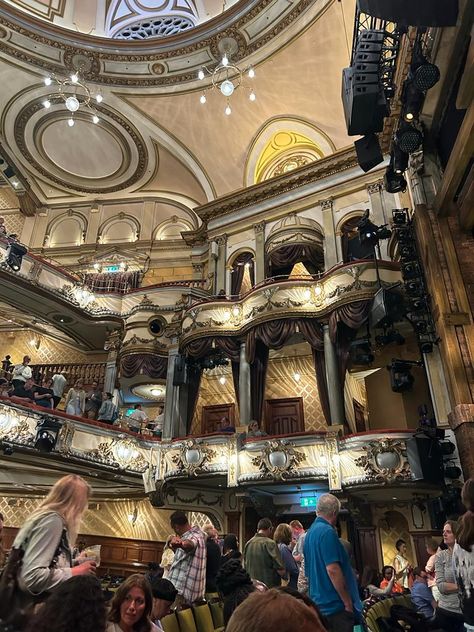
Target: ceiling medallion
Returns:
[[277, 459], [385, 461], [227, 77]]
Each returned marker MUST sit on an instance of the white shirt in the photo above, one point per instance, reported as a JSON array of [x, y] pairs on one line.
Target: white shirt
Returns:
[[137, 418], [22, 372], [159, 421], [59, 384]]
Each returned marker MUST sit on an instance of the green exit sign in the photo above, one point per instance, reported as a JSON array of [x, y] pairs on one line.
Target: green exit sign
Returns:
[[310, 501]]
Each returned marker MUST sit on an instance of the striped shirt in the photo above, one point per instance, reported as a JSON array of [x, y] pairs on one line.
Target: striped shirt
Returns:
[[188, 570]]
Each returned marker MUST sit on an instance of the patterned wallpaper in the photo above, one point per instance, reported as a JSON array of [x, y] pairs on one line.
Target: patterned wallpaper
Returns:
[[14, 223], [280, 383], [18, 344], [393, 525], [110, 519]]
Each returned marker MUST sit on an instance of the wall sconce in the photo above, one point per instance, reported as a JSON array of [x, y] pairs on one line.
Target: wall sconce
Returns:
[[132, 517], [297, 376], [222, 380]]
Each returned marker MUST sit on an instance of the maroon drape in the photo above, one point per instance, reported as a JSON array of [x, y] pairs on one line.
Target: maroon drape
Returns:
[[344, 322], [238, 271], [312, 332], [154, 366], [282, 259], [258, 373], [204, 346], [236, 379], [194, 375]]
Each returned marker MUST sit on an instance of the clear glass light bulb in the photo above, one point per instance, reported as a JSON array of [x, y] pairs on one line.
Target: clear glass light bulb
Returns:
[[95, 119], [74, 78], [252, 96], [99, 98], [47, 103], [228, 110], [225, 60], [251, 73], [70, 122], [227, 88], [72, 104], [202, 98], [201, 74], [48, 81]]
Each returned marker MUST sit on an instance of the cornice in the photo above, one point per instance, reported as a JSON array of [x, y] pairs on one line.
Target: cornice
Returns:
[[340, 161]]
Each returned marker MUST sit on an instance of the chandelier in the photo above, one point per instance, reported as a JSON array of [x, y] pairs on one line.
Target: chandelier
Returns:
[[227, 77], [74, 93]]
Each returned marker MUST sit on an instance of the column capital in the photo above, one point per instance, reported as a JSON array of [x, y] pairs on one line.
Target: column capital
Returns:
[[259, 228], [221, 240], [327, 204], [375, 187]]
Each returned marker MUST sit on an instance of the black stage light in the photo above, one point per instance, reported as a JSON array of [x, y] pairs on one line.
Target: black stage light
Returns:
[[14, 255], [399, 160], [414, 288], [418, 304], [420, 326], [361, 352], [409, 138], [400, 216], [407, 252], [425, 75], [47, 430], [447, 448], [452, 471], [401, 379], [410, 270], [426, 346], [393, 182], [412, 100], [404, 235], [7, 449], [392, 335]]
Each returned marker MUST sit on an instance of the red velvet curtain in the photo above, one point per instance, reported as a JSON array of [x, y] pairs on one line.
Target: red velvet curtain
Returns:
[[282, 259], [194, 375], [204, 346], [236, 379], [344, 322], [238, 271], [312, 332], [258, 374], [154, 366]]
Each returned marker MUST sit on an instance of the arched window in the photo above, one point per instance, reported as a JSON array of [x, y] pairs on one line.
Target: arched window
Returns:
[[242, 273]]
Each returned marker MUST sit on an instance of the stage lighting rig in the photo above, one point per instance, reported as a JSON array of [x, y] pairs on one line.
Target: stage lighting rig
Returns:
[[15, 253], [401, 378], [370, 233]]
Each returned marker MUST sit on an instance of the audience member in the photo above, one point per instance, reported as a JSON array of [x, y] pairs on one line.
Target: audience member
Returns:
[[225, 425], [167, 557], [421, 595], [432, 548], [448, 613], [164, 596], [188, 570], [5, 387], [156, 426], [43, 395], [230, 549], [388, 577], [132, 607], [402, 565], [332, 583], [24, 390], [93, 401], [59, 384], [262, 559], [271, 611], [137, 418], [46, 539], [7, 365], [282, 537], [77, 605], [463, 556], [254, 430], [235, 585], [305, 599], [107, 410], [371, 580], [76, 399], [21, 372], [154, 572], [297, 530], [213, 557]]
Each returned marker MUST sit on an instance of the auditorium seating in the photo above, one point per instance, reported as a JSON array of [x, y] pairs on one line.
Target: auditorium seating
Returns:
[[382, 609], [205, 617]]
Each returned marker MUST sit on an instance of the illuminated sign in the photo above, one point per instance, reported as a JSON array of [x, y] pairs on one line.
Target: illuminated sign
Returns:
[[309, 501]]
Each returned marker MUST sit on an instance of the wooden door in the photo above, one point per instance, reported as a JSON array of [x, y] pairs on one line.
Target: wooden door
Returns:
[[212, 415], [366, 552], [419, 544], [284, 416]]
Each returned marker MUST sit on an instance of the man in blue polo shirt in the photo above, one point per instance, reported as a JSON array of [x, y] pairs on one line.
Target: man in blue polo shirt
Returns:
[[332, 583]]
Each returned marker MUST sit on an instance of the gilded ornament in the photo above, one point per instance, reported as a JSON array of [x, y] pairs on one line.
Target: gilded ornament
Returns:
[[385, 461], [277, 459]]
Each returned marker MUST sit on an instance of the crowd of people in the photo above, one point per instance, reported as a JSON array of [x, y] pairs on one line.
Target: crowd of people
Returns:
[[280, 577]]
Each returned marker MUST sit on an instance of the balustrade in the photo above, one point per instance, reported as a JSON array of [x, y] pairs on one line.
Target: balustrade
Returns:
[[93, 372]]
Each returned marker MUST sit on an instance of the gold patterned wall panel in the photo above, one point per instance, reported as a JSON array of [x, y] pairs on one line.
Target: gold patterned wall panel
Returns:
[[393, 525], [21, 343], [8, 201], [212, 393], [14, 223], [163, 274]]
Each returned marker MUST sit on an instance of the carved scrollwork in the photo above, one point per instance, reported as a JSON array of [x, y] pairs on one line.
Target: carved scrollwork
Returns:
[[120, 453], [277, 459], [193, 457], [385, 461]]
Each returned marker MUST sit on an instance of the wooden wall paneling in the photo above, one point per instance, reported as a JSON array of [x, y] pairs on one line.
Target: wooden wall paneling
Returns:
[[284, 416], [419, 544]]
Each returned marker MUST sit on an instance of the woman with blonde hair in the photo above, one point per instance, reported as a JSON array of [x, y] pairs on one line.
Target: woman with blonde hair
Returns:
[[76, 399], [47, 537], [131, 607], [282, 537]]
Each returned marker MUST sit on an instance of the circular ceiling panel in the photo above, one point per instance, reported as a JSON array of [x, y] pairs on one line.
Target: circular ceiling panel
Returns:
[[154, 392], [91, 150]]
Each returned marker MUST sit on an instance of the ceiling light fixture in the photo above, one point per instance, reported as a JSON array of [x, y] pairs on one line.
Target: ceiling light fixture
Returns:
[[75, 95], [227, 77]]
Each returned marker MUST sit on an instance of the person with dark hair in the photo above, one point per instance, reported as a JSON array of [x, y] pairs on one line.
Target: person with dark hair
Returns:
[[401, 564], [235, 585], [131, 607], [371, 580], [274, 610], [107, 409], [282, 537], [287, 590], [164, 595], [213, 557], [463, 556], [432, 548], [388, 578], [137, 419], [421, 595], [262, 559], [230, 548], [188, 570], [77, 605], [154, 572], [43, 395], [22, 372], [448, 613]]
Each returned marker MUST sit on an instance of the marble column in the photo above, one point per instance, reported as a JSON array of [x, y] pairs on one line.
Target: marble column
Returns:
[[336, 396], [244, 387], [221, 263], [330, 246], [259, 267], [171, 422]]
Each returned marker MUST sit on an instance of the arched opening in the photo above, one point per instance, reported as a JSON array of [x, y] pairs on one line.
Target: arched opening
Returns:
[[242, 273]]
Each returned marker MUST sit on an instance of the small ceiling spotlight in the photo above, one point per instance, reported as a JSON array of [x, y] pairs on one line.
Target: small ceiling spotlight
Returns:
[[393, 182], [297, 376]]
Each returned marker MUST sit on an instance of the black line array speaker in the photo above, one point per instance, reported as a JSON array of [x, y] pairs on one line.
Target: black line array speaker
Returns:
[[179, 375], [413, 12], [368, 152]]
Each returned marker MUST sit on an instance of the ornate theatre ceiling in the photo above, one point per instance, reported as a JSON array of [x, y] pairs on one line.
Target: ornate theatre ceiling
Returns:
[[154, 138]]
